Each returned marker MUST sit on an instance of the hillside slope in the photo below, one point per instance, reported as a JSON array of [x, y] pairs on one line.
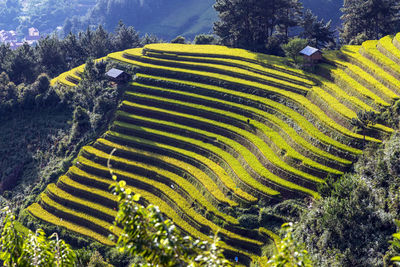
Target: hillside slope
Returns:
[[168, 19], [206, 130], [165, 19]]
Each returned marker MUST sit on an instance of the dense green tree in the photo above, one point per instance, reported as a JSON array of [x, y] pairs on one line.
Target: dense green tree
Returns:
[[125, 37], [178, 40], [350, 227], [73, 51], [22, 67], [364, 120], [149, 39], [42, 83], [51, 55], [101, 43], [289, 252], [317, 31], [33, 249], [250, 23], [293, 47], [142, 225], [205, 39], [370, 18], [289, 15], [5, 57]]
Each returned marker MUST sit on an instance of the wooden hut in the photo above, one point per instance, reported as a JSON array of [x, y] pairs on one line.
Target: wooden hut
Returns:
[[118, 76], [311, 55]]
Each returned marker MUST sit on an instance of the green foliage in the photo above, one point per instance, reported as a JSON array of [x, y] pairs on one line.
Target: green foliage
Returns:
[[81, 122], [178, 40], [368, 19], [250, 24], [146, 233], [319, 33], [249, 221], [364, 120], [125, 37], [329, 230], [290, 252], [32, 250], [293, 47], [205, 39], [96, 260]]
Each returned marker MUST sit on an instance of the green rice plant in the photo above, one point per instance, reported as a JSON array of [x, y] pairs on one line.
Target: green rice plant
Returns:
[[354, 87], [52, 189], [224, 52], [62, 79], [249, 157], [360, 75], [166, 189], [380, 89], [258, 68], [232, 161], [37, 211], [279, 108], [183, 183], [221, 173], [81, 216], [334, 103], [352, 102], [386, 46], [201, 179], [149, 197], [164, 207], [352, 52], [225, 70], [369, 49], [396, 40], [299, 100], [270, 133], [270, 234], [266, 151], [74, 73]]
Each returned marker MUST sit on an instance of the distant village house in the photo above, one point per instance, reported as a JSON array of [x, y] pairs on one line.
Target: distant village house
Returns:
[[311, 55], [33, 36], [11, 38]]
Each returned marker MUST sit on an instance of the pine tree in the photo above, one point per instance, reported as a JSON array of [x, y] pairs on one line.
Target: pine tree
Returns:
[[250, 23], [317, 31], [125, 37], [369, 19]]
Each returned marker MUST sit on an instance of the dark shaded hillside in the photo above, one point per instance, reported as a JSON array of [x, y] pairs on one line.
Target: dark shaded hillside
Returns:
[[168, 19], [165, 19]]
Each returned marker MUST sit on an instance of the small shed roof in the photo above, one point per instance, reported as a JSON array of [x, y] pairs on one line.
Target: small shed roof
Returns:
[[309, 51], [114, 73]]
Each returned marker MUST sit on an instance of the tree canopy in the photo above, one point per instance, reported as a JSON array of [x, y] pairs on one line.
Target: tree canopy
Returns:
[[251, 23], [368, 19]]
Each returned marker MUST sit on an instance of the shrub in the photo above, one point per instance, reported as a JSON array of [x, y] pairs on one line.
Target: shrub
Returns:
[[178, 40], [81, 122], [249, 221], [343, 229], [293, 47], [96, 260], [205, 39]]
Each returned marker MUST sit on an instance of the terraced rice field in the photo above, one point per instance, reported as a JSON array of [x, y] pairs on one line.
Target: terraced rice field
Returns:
[[205, 129]]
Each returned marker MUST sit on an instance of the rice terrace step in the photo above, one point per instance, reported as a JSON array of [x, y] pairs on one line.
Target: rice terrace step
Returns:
[[205, 129]]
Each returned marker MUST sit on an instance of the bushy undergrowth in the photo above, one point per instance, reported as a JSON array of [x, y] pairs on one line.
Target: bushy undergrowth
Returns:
[[42, 129], [353, 224]]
